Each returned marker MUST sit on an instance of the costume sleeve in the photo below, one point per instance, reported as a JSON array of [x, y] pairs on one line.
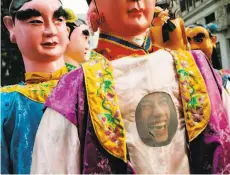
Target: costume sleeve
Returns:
[[7, 126], [56, 147], [4, 147]]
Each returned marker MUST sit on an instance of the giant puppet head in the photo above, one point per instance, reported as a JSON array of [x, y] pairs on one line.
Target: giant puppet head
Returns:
[[38, 28], [124, 18], [202, 37], [78, 46]]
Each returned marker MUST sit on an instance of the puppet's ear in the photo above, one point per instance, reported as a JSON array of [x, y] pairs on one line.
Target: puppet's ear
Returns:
[[214, 39], [68, 29], [8, 21]]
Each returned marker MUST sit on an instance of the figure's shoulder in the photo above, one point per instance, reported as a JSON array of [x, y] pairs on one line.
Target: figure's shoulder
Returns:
[[10, 89], [198, 53], [9, 93], [8, 96], [65, 95], [70, 79], [36, 92], [180, 54], [162, 53], [95, 63], [67, 87]]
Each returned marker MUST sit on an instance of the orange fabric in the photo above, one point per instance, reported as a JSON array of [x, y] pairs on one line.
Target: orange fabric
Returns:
[[177, 41]]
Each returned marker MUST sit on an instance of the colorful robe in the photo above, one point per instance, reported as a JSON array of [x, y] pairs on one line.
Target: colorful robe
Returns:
[[89, 113], [21, 111]]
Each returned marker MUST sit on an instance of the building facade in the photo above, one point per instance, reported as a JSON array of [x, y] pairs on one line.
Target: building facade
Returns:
[[211, 11]]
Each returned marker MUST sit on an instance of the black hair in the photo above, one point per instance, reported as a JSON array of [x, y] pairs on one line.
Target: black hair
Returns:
[[204, 26], [77, 23], [15, 5]]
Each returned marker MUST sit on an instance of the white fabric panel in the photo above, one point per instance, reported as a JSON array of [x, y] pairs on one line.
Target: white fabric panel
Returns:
[[57, 146], [135, 77]]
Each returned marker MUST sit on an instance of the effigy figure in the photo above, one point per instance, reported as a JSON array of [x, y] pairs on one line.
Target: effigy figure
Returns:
[[38, 28], [133, 109], [78, 48]]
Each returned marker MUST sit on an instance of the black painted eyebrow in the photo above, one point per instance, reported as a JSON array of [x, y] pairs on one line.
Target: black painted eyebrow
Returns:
[[60, 12], [27, 14], [85, 32], [199, 35]]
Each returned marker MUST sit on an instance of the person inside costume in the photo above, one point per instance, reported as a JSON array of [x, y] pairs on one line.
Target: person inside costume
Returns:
[[156, 119], [172, 30], [90, 118], [39, 29], [78, 48]]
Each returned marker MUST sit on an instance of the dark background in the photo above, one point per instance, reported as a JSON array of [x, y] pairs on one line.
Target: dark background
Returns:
[[12, 67]]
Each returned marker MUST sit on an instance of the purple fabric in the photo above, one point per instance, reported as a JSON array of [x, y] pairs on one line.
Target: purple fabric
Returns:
[[69, 99], [65, 96], [209, 153], [97, 160], [217, 134]]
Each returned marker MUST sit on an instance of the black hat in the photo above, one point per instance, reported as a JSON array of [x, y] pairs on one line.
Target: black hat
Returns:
[[15, 5]]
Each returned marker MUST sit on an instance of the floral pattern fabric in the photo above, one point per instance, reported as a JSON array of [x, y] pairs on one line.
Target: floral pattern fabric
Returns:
[[103, 105], [195, 99]]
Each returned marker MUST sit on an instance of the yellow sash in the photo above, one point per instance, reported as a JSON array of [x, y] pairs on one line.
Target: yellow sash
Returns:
[[195, 99], [104, 106], [37, 92]]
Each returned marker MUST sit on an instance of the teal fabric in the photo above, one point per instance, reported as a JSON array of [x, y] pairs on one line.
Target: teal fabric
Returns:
[[20, 118]]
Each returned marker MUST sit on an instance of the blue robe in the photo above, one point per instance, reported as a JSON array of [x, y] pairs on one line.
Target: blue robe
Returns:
[[21, 112]]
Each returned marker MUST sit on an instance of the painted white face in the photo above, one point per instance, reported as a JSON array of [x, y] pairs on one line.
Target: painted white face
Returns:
[[40, 30], [133, 16], [78, 47]]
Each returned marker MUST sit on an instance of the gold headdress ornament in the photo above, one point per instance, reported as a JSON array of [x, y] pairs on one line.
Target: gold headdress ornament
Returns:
[[71, 17]]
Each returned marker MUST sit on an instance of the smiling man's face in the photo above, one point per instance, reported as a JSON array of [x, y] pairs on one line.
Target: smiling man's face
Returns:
[[154, 118], [40, 30]]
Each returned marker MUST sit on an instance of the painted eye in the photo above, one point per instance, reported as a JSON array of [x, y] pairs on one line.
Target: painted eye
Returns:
[[60, 19], [199, 37], [35, 22]]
